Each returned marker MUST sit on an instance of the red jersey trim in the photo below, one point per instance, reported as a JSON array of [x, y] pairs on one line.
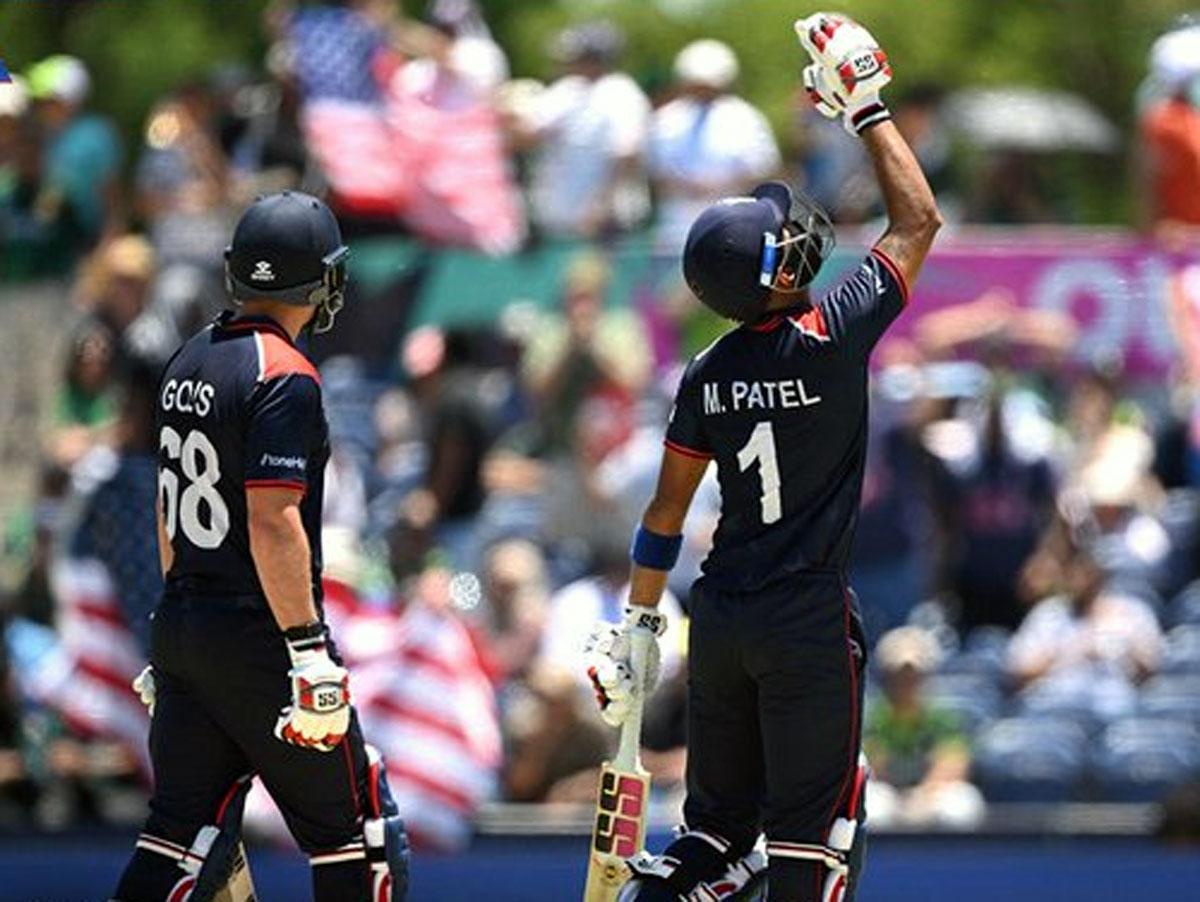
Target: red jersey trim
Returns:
[[767, 325], [276, 484], [894, 270], [279, 357], [812, 323], [686, 451]]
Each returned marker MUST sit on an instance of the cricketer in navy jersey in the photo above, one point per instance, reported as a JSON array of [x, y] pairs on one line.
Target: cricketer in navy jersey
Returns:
[[239, 407], [781, 406]]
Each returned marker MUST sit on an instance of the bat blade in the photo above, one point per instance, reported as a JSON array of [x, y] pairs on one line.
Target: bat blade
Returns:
[[240, 886], [619, 831]]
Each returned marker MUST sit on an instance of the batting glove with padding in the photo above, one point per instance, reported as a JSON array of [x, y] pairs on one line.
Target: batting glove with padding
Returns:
[[610, 664], [848, 72], [319, 714]]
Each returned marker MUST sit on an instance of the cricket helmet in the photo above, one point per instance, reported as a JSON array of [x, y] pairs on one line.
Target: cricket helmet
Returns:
[[287, 247], [738, 247]]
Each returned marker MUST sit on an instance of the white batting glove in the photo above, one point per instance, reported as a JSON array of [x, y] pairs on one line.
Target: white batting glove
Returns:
[[319, 714], [610, 664], [143, 685], [853, 70]]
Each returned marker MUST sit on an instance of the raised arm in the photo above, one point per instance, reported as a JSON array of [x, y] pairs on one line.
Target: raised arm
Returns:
[[848, 71], [912, 212]]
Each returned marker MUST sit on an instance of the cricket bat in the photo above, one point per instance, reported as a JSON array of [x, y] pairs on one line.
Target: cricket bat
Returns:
[[240, 886], [619, 831]]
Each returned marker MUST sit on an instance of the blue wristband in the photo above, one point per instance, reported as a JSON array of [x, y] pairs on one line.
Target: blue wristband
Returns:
[[653, 550]]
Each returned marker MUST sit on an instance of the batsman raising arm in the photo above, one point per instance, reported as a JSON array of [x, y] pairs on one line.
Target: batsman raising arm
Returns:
[[776, 647]]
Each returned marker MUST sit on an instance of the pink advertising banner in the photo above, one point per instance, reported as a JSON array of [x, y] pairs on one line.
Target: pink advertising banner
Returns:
[[1115, 286]]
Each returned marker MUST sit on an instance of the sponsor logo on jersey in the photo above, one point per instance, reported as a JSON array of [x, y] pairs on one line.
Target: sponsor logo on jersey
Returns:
[[291, 462]]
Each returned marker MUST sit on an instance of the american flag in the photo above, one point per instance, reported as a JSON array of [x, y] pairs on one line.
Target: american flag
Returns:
[[424, 700], [86, 677], [335, 52], [388, 145]]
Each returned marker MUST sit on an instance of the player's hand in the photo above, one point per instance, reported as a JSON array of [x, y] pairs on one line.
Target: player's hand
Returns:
[[851, 70], [143, 685], [611, 666], [319, 714]]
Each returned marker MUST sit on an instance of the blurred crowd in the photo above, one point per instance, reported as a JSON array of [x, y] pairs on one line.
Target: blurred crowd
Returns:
[[1028, 549]]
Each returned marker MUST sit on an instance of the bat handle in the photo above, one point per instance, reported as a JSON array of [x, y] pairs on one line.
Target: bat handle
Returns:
[[631, 730]]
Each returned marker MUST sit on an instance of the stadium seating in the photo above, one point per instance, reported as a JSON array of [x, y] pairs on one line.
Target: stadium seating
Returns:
[[1182, 655], [1025, 759], [974, 698], [1139, 759], [1173, 696]]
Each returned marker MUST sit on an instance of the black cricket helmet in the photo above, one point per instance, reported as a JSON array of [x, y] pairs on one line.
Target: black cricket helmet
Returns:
[[287, 247], [738, 248]]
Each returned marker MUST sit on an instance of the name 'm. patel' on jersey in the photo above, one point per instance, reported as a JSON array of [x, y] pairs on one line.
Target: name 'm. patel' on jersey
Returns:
[[781, 406]]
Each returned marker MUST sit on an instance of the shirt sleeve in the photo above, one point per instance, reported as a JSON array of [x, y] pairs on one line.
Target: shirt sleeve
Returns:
[[685, 429], [283, 427], [858, 311]]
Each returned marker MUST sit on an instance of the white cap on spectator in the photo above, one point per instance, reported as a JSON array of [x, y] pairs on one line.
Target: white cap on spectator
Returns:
[[14, 98], [60, 77], [709, 63], [1175, 57], [908, 646]]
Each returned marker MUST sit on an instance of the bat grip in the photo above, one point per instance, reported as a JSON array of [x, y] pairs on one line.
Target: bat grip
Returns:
[[631, 730]]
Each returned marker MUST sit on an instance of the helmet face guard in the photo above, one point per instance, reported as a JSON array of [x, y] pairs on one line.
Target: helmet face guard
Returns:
[[805, 241]]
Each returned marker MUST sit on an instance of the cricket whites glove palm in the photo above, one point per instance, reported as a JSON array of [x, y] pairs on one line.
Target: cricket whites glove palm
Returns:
[[610, 665], [848, 71], [319, 714]]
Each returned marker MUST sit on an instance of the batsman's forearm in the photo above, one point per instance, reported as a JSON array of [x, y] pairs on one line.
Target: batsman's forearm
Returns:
[[279, 547], [907, 196], [912, 211], [646, 586]]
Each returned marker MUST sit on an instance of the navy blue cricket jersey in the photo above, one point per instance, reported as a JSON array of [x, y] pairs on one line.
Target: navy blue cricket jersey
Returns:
[[782, 408], [239, 407]]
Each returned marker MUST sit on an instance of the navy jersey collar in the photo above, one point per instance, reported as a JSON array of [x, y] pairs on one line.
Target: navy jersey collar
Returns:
[[230, 321]]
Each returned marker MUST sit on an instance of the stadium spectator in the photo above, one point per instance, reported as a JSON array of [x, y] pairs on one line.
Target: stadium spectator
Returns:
[[992, 498], [556, 743], [516, 595], [919, 754], [582, 353], [86, 405], [590, 128], [183, 181], [119, 482], [114, 287], [1169, 151], [82, 153], [1087, 646], [706, 143]]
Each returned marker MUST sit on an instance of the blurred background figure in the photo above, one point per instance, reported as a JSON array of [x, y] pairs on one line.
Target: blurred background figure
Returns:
[[919, 753], [706, 143], [1086, 646], [1169, 151], [590, 129], [82, 152]]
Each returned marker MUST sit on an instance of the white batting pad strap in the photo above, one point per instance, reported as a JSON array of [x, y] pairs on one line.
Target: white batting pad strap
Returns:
[[717, 842], [349, 852], [831, 858], [166, 848]]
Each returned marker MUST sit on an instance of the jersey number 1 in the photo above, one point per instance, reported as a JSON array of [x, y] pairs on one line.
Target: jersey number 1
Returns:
[[760, 449], [202, 468]]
